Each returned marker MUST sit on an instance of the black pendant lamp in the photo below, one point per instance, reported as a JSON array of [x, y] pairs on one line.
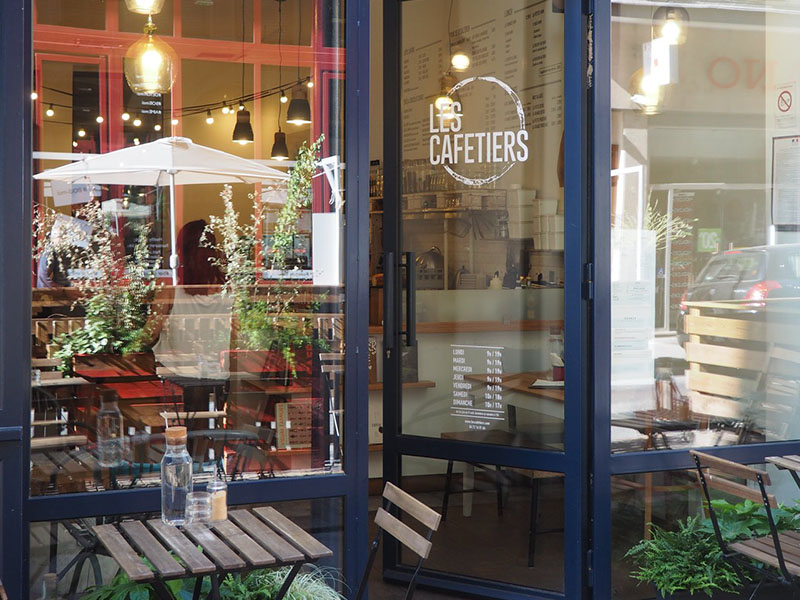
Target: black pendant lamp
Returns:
[[299, 112], [279, 149], [243, 132]]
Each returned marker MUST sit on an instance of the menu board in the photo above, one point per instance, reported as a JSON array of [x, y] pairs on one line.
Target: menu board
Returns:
[[477, 395], [520, 46]]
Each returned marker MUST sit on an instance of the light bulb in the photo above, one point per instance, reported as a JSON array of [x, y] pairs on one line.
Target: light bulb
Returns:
[[137, 122], [157, 127], [649, 86], [671, 31], [126, 116], [310, 84], [284, 99], [74, 144], [443, 103], [34, 95], [81, 132], [241, 106], [209, 117], [174, 121], [149, 64], [136, 141], [99, 118], [145, 7], [460, 60], [50, 112], [225, 109]]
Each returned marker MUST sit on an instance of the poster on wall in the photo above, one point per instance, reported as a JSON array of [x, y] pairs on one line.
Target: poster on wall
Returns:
[[786, 181]]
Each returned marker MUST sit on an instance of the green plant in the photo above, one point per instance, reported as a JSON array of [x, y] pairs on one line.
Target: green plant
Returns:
[[749, 519], [685, 559], [264, 319], [313, 584], [114, 290], [122, 588]]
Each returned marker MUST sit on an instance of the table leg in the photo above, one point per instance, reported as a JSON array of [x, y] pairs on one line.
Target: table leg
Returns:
[[161, 590], [467, 485], [215, 577], [198, 587], [287, 583]]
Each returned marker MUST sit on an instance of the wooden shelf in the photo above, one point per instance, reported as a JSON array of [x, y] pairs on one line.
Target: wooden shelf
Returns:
[[406, 386], [478, 326]]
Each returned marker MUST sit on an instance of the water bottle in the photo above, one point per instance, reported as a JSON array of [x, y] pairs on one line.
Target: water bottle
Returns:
[[110, 440], [176, 477]]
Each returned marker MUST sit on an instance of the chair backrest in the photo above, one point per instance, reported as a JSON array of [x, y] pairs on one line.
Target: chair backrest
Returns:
[[412, 540], [718, 472]]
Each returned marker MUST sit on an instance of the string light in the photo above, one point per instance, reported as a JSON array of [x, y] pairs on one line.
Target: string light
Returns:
[[50, 112], [225, 108], [126, 116], [81, 132], [136, 141], [174, 121], [74, 144], [34, 95], [137, 122], [157, 127], [209, 117], [99, 118], [284, 99], [310, 84]]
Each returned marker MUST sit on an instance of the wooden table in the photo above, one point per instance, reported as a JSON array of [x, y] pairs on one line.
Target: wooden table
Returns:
[[248, 540], [788, 462], [521, 382]]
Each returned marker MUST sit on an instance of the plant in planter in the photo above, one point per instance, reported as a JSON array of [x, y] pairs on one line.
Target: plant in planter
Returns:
[[263, 315], [115, 291], [688, 559]]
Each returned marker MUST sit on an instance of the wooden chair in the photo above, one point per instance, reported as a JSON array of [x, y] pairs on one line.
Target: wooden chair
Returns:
[[778, 550], [420, 545]]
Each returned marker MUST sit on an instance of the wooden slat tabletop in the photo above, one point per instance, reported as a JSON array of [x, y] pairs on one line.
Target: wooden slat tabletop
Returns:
[[193, 558], [236, 538], [149, 546], [790, 462], [122, 552], [259, 531], [307, 543], [218, 550]]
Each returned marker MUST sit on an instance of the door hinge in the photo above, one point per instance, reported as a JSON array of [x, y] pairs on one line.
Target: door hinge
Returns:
[[590, 568], [588, 281]]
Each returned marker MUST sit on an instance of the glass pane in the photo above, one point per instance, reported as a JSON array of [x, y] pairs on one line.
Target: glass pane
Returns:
[[218, 20], [704, 239], [642, 502], [86, 14], [54, 544], [216, 303], [499, 523], [298, 17], [483, 213]]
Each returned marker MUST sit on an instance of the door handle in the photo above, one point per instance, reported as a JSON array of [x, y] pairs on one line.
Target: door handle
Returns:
[[388, 303], [411, 299]]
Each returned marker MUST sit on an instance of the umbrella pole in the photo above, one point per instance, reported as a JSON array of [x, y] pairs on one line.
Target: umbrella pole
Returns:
[[173, 242]]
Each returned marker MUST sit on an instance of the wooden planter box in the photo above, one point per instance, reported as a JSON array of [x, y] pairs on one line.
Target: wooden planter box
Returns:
[[270, 365], [114, 366]]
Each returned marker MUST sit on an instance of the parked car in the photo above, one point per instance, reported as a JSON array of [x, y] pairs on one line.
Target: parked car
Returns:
[[745, 274]]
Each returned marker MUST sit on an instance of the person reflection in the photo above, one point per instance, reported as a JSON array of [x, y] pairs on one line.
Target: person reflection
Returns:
[[194, 317]]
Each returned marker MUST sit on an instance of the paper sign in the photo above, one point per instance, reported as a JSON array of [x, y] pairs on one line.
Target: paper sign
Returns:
[[786, 180], [785, 110], [66, 194]]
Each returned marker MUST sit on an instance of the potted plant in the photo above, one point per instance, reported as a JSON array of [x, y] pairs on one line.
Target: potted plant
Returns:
[[114, 291], [683, 562], [267, 336]]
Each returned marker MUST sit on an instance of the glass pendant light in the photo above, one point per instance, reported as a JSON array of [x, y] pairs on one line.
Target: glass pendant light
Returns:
[[670, 23], [299, 112], [279, 149], [243, 132], [145, 7], [149, 64], [444, 101]]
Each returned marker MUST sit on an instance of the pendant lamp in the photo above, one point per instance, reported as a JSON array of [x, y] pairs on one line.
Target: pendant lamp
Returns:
[[670, 23], [243, 132], [145, 7], [444, 100], [149, 64], [279, 149], [299, 112]]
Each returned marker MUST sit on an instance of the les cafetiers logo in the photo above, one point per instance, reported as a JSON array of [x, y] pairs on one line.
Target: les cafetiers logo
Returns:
[[453, 148]]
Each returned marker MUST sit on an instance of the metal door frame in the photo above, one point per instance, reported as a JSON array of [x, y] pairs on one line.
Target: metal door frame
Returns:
[[574, 463], [17, 509]]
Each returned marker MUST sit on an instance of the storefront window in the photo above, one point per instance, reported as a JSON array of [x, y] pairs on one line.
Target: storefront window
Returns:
[[704, 238], [186, 270]]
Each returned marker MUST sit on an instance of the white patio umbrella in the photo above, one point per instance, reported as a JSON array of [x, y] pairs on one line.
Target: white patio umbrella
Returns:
[[169, 161]]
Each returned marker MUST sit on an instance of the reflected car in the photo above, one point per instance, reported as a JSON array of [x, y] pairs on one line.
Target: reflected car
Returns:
[[744, 274]]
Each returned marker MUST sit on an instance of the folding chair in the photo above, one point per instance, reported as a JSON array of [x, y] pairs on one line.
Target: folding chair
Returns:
[[778, 550], [421, 546]]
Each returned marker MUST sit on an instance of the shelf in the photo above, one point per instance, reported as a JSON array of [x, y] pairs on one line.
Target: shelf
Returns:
[[477, 326], [409, 385], [433, 211]]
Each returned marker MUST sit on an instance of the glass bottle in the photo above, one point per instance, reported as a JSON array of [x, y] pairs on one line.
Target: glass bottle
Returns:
[[218, 490], [110, 440], [176, 477], [50, 586]]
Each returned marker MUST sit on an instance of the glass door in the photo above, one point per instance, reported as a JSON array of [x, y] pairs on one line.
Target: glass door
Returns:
[[479, 390]]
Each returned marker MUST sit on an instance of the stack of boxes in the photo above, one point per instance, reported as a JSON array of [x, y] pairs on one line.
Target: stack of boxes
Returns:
[[537, 218]]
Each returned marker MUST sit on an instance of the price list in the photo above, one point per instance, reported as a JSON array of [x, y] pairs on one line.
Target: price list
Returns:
[[422, 70], [477, 385]]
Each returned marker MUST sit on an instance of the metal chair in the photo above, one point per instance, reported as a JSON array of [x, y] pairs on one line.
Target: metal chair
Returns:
[[778, 550], [421, 546]]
